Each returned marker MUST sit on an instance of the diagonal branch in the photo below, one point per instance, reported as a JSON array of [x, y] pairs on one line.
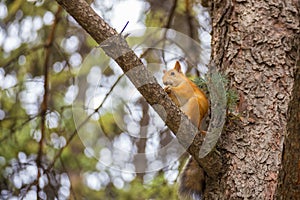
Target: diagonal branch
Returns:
[[115, 46]]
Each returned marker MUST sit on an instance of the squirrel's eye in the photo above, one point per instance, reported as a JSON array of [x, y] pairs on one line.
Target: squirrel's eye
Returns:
[[172, 73]]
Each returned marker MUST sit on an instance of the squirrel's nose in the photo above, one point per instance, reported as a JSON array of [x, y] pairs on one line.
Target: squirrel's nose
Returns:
[[167, 83]]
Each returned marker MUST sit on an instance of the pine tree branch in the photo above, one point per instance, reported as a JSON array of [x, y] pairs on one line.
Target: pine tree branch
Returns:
[[115, 46]]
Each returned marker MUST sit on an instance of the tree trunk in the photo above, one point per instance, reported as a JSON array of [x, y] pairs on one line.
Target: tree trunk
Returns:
[[289, 182], [255, 44], [140, 160]]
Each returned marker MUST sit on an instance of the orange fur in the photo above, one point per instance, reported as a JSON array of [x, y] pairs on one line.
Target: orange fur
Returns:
[[193, 102], [186, 95]]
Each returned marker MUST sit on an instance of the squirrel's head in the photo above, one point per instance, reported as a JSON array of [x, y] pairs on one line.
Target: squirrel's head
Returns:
[[174, 76]]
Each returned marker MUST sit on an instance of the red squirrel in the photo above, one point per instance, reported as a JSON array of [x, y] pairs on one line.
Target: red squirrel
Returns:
[[193, 102]]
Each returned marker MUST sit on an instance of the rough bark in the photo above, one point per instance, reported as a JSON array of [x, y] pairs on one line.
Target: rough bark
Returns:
[[115, 46], [254, 43], [289, 182]]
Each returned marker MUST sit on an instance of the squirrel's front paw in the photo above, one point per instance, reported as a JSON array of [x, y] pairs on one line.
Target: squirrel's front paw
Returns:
[[167, 89]]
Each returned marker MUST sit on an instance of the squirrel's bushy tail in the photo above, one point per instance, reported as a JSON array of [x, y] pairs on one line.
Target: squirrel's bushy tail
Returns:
[[191, 181]]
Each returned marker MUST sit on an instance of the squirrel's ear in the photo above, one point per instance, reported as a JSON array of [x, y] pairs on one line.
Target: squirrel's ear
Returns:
[[177, 66], [164, 71]]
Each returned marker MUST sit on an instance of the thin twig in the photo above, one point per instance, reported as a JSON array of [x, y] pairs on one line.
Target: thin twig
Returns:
[[22, 52], [65, 169], [44, 104], [124, 27], [57, 155], [106, 96], [14, 129]]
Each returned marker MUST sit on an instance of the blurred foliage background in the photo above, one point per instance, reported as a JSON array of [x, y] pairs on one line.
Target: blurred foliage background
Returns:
[[71, 125]]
